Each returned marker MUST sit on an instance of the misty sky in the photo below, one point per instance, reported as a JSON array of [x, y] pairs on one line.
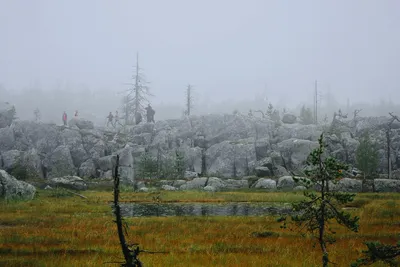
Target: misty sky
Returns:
[[228, 49]]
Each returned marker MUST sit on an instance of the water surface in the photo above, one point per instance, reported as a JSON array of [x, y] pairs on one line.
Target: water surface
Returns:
[[204, 209]]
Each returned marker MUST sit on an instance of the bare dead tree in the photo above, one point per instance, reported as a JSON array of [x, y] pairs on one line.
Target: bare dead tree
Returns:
[[130, 255], [136, 96], [388, 141], [189, 100]]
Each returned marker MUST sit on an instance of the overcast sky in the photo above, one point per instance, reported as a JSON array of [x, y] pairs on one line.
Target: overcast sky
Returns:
[[229, 49]]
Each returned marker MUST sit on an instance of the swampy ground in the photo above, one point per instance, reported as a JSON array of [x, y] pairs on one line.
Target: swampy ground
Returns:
[[58, 229]]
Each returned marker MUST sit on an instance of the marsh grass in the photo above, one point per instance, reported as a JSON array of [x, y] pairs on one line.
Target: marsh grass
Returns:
[[70, 231]]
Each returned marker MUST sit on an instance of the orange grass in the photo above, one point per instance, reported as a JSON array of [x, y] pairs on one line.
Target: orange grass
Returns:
[[71, 231]]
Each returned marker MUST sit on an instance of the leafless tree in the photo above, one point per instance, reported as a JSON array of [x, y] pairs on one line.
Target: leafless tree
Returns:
[[136, 97], [189, 100]]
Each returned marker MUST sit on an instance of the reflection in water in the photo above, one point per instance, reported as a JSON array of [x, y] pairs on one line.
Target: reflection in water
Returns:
[[203, 209]]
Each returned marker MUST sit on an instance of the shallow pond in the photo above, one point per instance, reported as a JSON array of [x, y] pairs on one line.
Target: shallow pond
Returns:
[[203, 209]]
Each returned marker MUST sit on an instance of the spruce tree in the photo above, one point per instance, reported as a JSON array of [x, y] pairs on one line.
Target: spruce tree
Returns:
[[316, 213]]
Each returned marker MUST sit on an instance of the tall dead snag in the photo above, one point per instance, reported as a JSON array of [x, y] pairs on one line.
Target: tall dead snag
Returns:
[[136, 96], [189, 100], [130, 255], [388, 142]]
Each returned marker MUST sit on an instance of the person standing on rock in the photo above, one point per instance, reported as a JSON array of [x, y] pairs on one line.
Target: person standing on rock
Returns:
[[150, 113], [76, 114], [110, 119], [64, 118]]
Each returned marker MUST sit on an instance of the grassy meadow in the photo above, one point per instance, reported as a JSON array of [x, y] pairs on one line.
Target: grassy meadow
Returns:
[[55, 230]]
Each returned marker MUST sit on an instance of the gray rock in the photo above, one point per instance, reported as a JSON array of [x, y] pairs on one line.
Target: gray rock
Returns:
[[295, 151], [387, 185], [210, 188], [107, 163], [61, 163], [32, 161], [106, 174], [190, 175], [81, 123], [126, 175], [349, 185], [7, 139], [280, 171], [196, 183], [73, 140], [87, 169], [223, 158], [6, 114], [217, 183], [69, 182], [299, 188], [126, 165], [168, 188], [178, 183], [289, 118], [144, 190], [11, 188], [10, 159], [262, 147], [297, 131], [285, 183], [263, 172], [236, 184], [268, 184]]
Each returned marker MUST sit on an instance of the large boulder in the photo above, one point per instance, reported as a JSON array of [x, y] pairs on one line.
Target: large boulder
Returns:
[[7, 139], [11, 188], [7, 114], [69, 182], [60, 163], [297, 131], [286, 183], [263, 172], [387, 185], [87, 169], [73, 140], [227, 159], [107, 163], [289, 118], [349, 185], [126, 165], [236, 184], [81, 123], [217, 183], [295, 151], [32, 161], [11, 159], [263, 183], [195, 184]]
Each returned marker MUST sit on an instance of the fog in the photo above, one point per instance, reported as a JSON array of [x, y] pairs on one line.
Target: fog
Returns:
[[68, 55]]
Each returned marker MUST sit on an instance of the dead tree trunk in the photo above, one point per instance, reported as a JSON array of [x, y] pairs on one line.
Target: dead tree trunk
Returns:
[[129, 255]]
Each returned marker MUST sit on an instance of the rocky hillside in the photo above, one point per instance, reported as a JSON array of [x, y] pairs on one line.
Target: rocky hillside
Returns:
[[217, 145]]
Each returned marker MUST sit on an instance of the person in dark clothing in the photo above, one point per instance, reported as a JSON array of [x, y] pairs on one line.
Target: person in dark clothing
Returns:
[[64, 118], [110, 119], [150, 113], [138, 118]]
